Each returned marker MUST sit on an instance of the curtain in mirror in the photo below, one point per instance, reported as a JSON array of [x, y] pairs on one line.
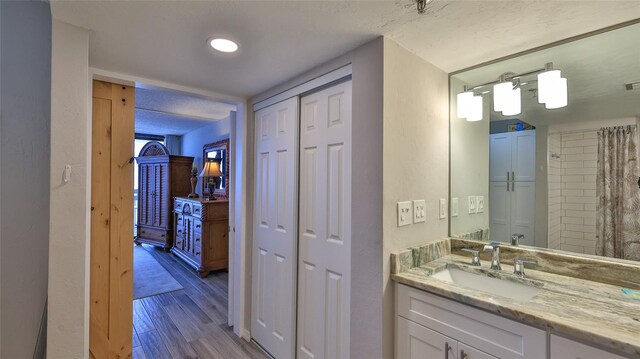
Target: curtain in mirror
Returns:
[[618, 207]]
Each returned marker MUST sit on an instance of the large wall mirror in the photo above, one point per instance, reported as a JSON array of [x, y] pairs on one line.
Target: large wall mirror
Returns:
[[544, 147]]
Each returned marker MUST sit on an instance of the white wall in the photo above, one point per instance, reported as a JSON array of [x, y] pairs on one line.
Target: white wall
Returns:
[[69, 235], [192, 142], [366, 330], [415, 158], [25, 42]]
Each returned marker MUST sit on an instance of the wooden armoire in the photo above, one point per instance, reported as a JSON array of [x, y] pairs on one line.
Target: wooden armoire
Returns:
[[161, 177]]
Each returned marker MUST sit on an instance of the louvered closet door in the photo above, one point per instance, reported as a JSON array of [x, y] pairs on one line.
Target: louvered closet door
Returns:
[[274, 229], [160, 205], [324, 264], [145, 200]]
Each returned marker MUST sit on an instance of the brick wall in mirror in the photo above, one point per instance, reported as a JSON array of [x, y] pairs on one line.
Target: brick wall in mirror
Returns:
[[548, 142]]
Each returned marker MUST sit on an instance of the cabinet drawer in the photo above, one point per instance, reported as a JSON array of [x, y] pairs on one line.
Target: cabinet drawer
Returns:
[[197, 226], [152, 234], [177, 207], [487, 332], [196, 210], [563, 348], [197, 239], [180, 231]]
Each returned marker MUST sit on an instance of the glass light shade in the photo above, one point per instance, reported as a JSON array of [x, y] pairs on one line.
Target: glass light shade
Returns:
[[474, 112], [514, 105], [223, 45], [557, 94], [463, 103], [502, 95], [546, 82]]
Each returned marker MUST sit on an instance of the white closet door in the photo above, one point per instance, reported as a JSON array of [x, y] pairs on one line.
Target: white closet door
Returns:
[[274, 229], [500, 157], [523, 162], [523, 206], [499, 211], [324, 265]]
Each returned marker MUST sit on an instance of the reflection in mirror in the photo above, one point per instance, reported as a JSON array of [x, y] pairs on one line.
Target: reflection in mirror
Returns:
[[218, 152], [544, 147]]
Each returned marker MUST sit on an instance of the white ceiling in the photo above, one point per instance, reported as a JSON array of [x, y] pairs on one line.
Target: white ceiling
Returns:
[[168, 112], [166, 40]]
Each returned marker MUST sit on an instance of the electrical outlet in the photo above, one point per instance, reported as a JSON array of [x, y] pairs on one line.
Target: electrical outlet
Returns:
[[454, 207], [405, 214], [480, 204], [472, 204], [418, 211], [443, 208]]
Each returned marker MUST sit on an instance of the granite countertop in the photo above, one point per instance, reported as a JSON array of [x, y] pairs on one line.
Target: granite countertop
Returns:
[[583, 309]]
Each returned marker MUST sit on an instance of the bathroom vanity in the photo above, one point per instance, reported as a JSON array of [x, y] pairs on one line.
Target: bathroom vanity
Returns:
[[447, 308]]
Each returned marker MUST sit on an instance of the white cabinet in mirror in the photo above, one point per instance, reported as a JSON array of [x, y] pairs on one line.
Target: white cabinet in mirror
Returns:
[[552, 171]]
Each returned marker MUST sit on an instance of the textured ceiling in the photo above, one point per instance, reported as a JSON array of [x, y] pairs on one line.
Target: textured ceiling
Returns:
[[168, 112], [166, 40]]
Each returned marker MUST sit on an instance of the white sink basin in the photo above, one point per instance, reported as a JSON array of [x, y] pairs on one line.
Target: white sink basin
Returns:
[[495, 286]]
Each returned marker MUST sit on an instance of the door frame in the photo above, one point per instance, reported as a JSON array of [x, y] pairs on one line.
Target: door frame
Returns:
[[237, 222]]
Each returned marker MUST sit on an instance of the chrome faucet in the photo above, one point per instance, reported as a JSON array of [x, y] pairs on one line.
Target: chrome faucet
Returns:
[[518, 265], [494, 247], [516, 238], [475, 256]]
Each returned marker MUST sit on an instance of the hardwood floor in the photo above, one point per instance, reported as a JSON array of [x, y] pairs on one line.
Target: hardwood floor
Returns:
[[189, 323]]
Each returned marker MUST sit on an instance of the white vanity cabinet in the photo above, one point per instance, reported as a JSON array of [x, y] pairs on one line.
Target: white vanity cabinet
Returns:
[[563, 348], [418, 342], [427, 323]]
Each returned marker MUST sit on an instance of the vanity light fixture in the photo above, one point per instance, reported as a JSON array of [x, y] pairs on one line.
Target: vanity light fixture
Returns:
[[507, 93], [223, 45]]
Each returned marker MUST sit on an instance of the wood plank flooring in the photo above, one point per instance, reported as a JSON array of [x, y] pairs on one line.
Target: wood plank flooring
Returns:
[[189, 323]]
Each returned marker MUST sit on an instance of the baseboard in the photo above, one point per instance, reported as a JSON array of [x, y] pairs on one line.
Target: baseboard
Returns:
[[245, 334]]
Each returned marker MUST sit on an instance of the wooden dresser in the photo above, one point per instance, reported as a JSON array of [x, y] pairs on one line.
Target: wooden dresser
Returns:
[[201, 233], [160, 178]]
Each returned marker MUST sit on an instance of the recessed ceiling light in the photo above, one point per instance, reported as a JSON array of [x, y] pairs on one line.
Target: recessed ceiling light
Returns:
[[223, 45]]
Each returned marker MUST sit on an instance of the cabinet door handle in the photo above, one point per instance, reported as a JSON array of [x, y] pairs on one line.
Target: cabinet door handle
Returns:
[[197, 253], [447, 348], [508, 186], [197, 226], [508, 176], [513, 176], [197, 239], [463, 355]]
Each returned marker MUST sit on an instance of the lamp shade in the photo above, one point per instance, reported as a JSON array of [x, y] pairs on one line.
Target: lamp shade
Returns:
[[514, 105], [557, 94], [546, 82], [211, 169], [463, 102], [474, 113], [502, 95]]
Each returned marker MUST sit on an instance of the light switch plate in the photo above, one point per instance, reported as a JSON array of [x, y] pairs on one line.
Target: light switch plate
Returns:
[[418, 210], [443, 208], [405, 213], [480, 204], [454, 207], [472, 204]]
